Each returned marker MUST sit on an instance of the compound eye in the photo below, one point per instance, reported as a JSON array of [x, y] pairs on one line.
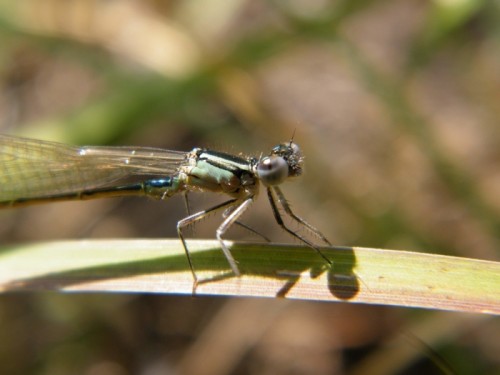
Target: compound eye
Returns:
[[272, 170]]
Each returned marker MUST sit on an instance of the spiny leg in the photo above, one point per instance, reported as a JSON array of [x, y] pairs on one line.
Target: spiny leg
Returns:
[[226, 224], [279, 220], [186, 203], [250, 229], [243, 225], [288, 210], [190, 220]]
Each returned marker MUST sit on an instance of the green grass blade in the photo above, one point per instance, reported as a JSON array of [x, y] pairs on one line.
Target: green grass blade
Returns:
[[360, 275]]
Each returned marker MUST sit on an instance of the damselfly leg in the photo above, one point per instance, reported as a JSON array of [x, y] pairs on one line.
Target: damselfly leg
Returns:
[[277, 215]]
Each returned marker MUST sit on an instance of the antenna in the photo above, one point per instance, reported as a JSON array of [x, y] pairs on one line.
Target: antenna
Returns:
[[293, 136]]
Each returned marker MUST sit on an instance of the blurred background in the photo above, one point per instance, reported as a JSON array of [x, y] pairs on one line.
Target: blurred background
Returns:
[[395, 105]]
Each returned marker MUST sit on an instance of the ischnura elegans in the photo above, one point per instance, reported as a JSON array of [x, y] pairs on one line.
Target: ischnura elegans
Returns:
[[36, 171]]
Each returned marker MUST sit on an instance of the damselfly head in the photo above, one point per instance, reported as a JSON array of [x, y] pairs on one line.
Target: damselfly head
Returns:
[[284, 161], [292, 154]]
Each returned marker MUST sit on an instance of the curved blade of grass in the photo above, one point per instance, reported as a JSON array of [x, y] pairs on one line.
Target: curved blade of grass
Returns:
[[360, 275]]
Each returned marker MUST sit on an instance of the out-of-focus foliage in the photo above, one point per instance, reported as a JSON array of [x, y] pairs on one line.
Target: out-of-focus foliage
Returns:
[[395, 105]]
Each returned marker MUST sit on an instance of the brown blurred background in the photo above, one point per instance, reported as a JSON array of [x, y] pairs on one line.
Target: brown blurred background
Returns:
[[396, 107]]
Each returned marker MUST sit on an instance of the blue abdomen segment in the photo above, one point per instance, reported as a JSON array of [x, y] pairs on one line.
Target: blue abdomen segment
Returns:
[[159, 183], [161, 188]]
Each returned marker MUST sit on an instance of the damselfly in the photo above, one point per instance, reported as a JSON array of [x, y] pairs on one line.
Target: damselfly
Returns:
[[35, 171]]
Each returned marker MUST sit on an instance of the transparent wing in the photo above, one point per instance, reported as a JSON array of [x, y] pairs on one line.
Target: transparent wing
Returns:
[[33, 168]]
